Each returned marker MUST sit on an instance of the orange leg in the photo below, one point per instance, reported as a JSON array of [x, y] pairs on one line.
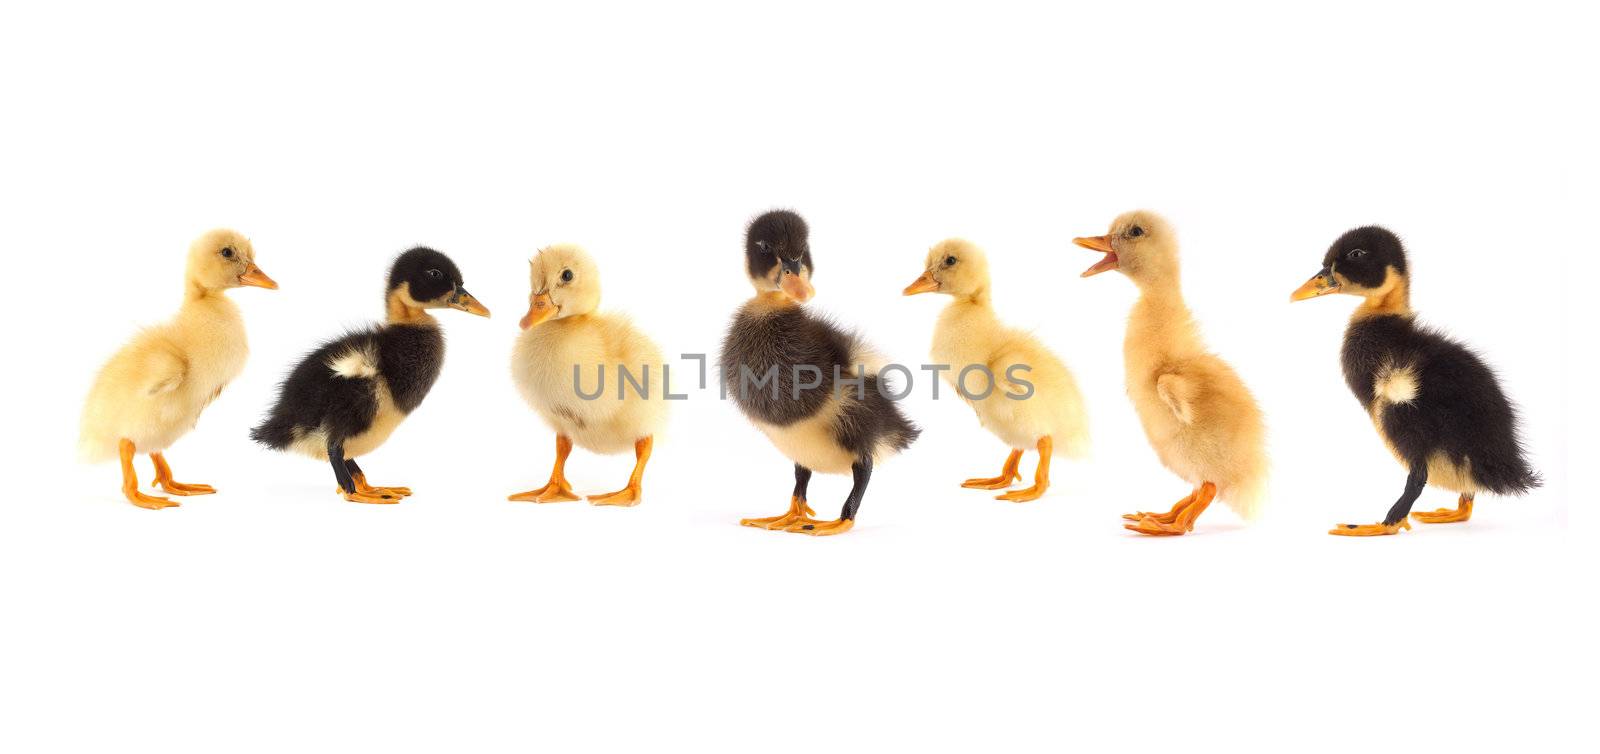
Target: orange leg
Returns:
[[1041, 476], [1182, 515], [130, 482], [798, 512], [631, 494], [1008, 474], [1462, 512], [164, 480], [557, 490]]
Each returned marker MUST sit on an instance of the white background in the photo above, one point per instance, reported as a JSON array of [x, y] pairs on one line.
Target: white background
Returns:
[[273, 616]]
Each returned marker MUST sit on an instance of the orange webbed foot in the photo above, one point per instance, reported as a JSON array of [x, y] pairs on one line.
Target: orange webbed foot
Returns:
[[149, 502], [554, 492], [395, 491], [798, 510], [179, 488], [626, 497], [821, 528], [1369, 530], [1178, 521], [1156, 528], [1462, 512], [1024, 495], [372, 498], [992, 483]]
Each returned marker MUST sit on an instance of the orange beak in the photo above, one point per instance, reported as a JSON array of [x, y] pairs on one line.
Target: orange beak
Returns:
[[924, 284], [468, 303], [796, 287], [1320, 284], [1098, 243], [540, 308], [254, 276]]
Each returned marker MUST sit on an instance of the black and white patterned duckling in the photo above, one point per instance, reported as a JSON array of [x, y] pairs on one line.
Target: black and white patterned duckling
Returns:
[[344, 399], [1435, 403], [824, 411]]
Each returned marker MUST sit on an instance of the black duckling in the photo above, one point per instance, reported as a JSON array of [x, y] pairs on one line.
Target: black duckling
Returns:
[[803, 381], [347, 396], [1435, 403]]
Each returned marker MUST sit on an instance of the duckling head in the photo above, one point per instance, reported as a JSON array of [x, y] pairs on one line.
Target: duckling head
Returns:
[[422, 278], [1369, 261], [777, 253], [564, 282], [956, 267], [1141, 245], [223, 259]]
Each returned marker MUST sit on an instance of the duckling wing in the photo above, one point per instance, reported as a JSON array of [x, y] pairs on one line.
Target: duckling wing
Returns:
[[1178, 393]]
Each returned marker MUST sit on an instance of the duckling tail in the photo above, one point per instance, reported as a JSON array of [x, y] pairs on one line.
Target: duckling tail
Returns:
[[276, 432], [1512, 476], [1247, 497]]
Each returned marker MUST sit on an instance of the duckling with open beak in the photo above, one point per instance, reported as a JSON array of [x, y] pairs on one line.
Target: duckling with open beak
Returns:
[[1198, 414]]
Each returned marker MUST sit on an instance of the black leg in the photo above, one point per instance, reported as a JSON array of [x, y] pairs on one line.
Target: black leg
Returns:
[[860, 474], [802, 480], [355, 471], [1414, 484], [341, 469]]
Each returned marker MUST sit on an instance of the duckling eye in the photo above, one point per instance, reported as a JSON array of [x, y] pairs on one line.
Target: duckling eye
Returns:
[[566, 276], [949, 261], [227, 252], [1135, 232], [1356, 253], [435, 274]]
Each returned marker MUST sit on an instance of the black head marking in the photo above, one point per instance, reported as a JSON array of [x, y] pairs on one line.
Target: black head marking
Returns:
[[779, 236], [431, 274], [1364, 255]]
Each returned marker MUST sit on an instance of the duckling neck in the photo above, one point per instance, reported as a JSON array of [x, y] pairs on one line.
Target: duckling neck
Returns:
[[1160, 326], [194, 291], [402, 312], [967, 329], [979, 297], [201, 300], [773, 300], [1392, 299]]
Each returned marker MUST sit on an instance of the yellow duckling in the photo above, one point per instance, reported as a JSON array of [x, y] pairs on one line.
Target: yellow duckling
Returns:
[[557, 366], [1032, 402], [1199, 416], [151, 392]]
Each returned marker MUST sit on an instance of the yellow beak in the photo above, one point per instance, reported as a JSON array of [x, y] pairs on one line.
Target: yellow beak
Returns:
[[924, 284]]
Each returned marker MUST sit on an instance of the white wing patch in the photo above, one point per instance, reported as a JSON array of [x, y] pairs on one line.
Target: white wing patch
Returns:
[[355, 364], [1397, 384]]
